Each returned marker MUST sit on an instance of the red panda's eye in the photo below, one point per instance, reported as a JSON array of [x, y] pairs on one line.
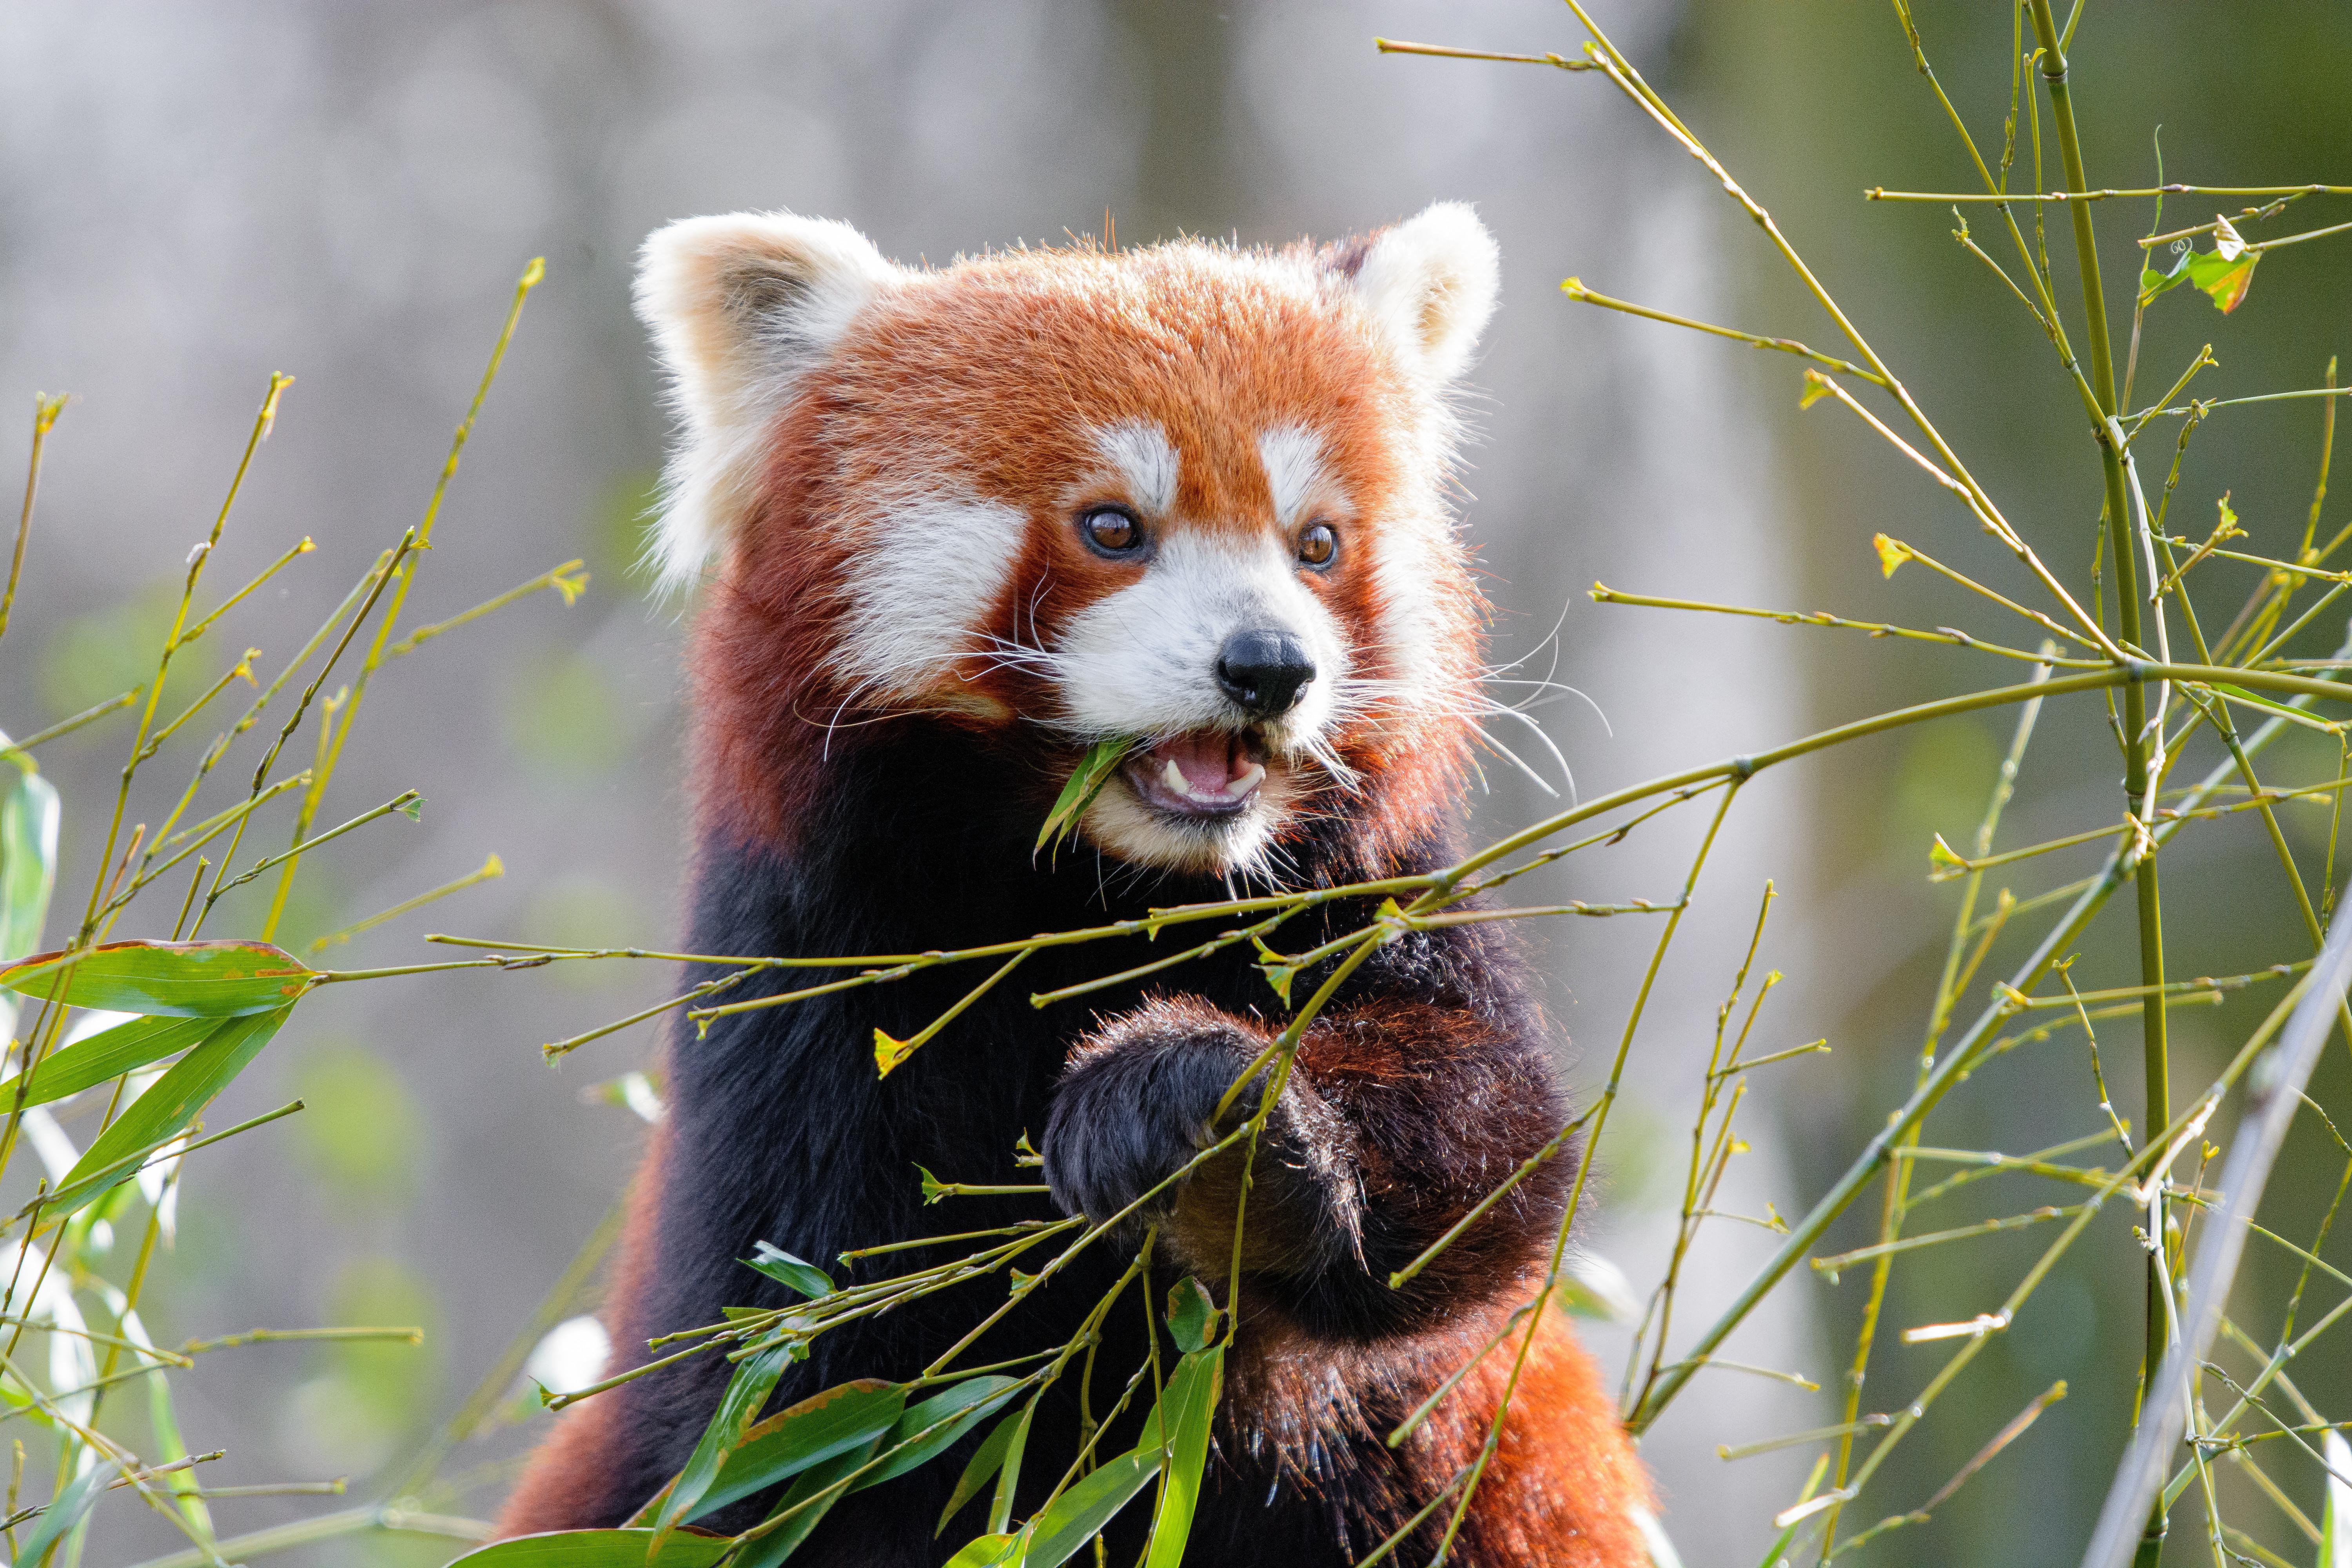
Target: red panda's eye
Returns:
[[1112, 531], [1318, 544]]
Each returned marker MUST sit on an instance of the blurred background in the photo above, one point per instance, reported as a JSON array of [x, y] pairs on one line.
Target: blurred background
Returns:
[[191, 198]]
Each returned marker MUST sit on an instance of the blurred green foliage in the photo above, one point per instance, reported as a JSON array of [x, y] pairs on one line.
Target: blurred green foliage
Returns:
[[565, 715], [353, 1413], [361, 1131], [1941, 779], [582, 908], [93, 657]]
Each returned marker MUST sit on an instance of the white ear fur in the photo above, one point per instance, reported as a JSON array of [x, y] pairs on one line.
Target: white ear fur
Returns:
[[740, 307], [1430, 285]]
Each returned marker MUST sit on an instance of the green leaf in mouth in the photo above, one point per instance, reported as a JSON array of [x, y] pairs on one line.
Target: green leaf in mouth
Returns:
[[1092, 772]]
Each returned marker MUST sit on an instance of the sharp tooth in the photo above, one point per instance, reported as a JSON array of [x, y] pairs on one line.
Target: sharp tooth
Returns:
[[1174, 779], [1248, 780]]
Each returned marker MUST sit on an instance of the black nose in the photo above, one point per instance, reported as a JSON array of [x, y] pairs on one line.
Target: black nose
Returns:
[[1263, 672]]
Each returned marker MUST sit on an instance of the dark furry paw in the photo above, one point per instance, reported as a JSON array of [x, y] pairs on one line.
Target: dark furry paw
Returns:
[[1135, 1105]]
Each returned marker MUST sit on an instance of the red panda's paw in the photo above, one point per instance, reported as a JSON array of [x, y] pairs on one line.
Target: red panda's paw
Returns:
[[1138, 1103]]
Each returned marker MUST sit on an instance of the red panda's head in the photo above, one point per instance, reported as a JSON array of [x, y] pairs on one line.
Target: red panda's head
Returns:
[[1189, 495]]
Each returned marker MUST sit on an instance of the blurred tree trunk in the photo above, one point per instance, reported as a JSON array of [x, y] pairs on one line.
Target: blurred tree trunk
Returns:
[[1182, 56]]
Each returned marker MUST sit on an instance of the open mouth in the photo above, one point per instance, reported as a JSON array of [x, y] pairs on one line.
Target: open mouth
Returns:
[[1207, 773]]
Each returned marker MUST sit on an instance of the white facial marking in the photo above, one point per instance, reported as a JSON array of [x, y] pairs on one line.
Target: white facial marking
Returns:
[[1139, 450], [1409, 559], [1293, 456], [1144, 660], [924, 573]]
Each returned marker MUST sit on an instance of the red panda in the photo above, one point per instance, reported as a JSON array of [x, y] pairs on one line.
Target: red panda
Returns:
[[958, 525]]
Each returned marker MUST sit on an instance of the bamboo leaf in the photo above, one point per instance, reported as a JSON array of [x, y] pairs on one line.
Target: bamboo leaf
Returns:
[[1191, 1315], [754, 1380], [1008, 1480], [1078, 1515], [848, 1416], [974, 1398], [2335, 1529], [2152, 282], [179, 1096], [986, 1460], [108, 1053], [889, 1051], [1944, 862], [68, 1511], [781, 1542], [1190, 1404], [599, 1548], [786, 1270], [29, 855], [987, 1551], [2223, 278], [2276, 710], [179, 979], [1092, 772]]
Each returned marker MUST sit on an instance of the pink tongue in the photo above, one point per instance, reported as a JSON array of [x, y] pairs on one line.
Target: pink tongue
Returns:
[[1206, 758]]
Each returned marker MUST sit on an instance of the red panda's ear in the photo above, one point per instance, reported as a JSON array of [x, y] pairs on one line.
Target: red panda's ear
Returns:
[[1429, 284], [740, 307]]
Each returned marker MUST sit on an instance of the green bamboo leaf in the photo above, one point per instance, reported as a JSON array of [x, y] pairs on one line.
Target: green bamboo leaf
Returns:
[[1008, 1480], [1191, 1315], [1078, 1515], [846, 1416], [988, 1552], [2335, 1525], [986, 1460], [1187, 1406], [108, 1054], [29, 855], [2223, 278], [786, 1539], [2275, 709], [68, 1511], [181, 979], [754, 1380], [176, 1098], [599, 1548], [1944, 862], [2152, 282], [1092, 772], [786, 1270], [961, 1405], [169, 1445]]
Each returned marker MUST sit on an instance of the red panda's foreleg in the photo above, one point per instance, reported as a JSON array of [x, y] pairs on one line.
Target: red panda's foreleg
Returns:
[[1398, 1117]]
